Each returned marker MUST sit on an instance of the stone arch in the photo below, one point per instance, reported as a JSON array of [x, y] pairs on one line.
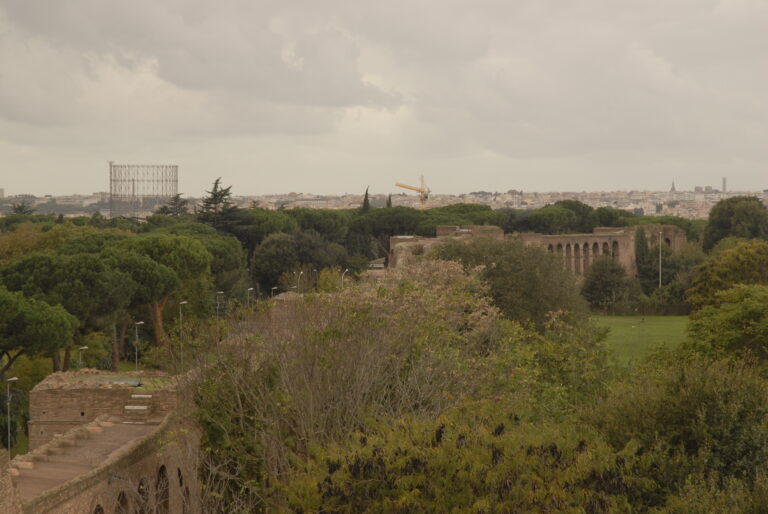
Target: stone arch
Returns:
[[142, 497], [551, 249], [668, 241], [606, 249], [559, 249], [162, 492], [585, 256], [122, 506], [577, 258], [568, 257], [185, 504], [615, 250], [595, 250]]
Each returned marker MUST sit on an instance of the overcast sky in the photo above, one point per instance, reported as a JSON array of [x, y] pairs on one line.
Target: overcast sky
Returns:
[[333, 96]]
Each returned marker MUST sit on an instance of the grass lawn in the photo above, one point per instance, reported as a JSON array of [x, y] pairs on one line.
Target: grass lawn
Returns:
[[631, 337]]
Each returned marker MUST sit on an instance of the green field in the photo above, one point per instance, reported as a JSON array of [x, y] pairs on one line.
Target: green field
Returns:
[[631, 337]]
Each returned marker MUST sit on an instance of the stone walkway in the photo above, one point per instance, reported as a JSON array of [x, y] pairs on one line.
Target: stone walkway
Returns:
[[70, 456]]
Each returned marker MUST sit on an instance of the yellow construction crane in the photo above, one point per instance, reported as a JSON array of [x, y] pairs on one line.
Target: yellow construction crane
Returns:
[[423, 191]]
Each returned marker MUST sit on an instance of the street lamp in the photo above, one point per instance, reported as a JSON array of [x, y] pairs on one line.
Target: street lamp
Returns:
[[298, 282], [272, 291], [136, 343], [8, 399], [80, 356], [342, 277], [218, 295], [248, 297], [181, 332]]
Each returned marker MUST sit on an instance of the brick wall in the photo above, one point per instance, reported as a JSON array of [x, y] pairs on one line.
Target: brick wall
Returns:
[[131, 476], [9, 501], [55, 411]]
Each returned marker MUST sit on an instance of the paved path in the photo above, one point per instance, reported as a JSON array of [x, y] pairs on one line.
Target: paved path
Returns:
[[68, 462]]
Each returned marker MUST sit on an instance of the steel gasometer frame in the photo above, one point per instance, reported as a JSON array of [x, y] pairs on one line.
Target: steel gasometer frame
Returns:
[[135, 189]]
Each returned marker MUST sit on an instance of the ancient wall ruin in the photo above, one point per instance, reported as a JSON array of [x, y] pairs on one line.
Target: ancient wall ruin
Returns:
[[9, 497], [105, 443], [579, 251], [405, 250], [154, 473], [63, 401]]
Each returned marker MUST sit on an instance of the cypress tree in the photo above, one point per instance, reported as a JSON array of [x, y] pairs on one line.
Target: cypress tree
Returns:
[[366, 202]]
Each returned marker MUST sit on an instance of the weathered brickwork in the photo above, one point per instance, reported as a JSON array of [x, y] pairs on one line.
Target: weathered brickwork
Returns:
[[104, 443], [57, 405], [9, 499], [579, 251], [154, 474], [404, 250]]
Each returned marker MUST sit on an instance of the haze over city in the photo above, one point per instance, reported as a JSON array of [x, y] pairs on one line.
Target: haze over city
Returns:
[[335, 96]]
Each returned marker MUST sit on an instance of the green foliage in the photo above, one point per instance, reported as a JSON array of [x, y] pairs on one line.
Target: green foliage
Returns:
[[584, 219], [736, 323], [644, 262], [606, 284], [689, 417], [457, 214], [553, 220], [31, 327], [331, 224], [610, 217], [84, 284], [228, 259], [252, 226], [176, 206], [366, 203], [726, 244], [513, 271], [745, 263], [481, 457], [185, 255], [22, 208], [217, 204], [276, 255], [739, 216], [734, 496]]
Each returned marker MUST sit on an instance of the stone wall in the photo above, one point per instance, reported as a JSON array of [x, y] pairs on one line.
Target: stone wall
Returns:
[[55, 410], [9, 500], [579, 251], [405, 250], [153, 474]]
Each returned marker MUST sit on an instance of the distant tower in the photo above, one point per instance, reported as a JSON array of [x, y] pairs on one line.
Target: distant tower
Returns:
[[723, 185], [673, 190]]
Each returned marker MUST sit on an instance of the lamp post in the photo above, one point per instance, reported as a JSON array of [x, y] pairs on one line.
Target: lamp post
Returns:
[[298, 282], [181, 332], [136, 343], [80, 356], [272, 292], [8, 399], [342, 277], [659, 260], [248, 297], [218, 296]]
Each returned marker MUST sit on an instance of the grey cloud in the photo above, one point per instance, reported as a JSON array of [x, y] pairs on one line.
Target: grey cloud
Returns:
[[619, 84]]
